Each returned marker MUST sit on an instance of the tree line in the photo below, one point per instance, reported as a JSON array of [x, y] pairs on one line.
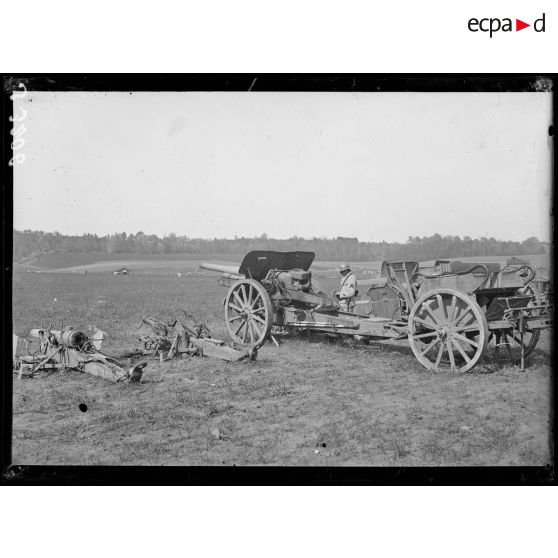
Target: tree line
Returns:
[[29, 244]]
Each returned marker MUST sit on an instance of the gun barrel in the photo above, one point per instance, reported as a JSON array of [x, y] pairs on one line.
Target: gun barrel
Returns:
[[71, 338], [230, 270]]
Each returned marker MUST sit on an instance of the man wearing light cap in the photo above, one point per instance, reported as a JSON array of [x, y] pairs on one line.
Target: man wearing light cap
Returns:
[[348, 289]]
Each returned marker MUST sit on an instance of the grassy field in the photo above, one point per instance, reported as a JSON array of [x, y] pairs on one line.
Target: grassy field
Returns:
[[307, 402]]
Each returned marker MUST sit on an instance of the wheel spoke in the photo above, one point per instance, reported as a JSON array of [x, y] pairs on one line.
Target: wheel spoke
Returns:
[[237, 331], [466, 340], [461, 351], [430, 346], [257, 331], [452, 308], [441, 306], [425, 323], [422, 335], [243, 287], [249, 299], [234, 318], [440, 353], [450, 353], [237, 308], [260, 309], [237, 296], [467, 328], [250, 332], [429, 311], [468, 311], [258, 297], [245, 332], [258, 319]]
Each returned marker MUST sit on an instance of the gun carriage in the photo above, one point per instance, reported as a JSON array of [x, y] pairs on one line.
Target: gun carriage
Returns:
[[451, 312]]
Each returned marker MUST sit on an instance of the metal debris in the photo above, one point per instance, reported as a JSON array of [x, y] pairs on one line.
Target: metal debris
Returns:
[[175, 339], [61, 349]]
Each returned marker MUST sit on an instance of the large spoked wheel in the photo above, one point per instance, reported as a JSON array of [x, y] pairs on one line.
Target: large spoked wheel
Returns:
[[248, 312], [447, 330]]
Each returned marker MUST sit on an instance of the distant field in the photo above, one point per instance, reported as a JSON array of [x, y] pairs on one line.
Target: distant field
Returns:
[[167, 264], [306, 402], [85, 259]]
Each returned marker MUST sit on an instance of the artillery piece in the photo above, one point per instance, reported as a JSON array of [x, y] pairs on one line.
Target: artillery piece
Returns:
[[450, 312], [270, 288]]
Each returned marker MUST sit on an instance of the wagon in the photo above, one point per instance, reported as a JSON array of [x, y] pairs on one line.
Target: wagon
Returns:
[[452, 313]]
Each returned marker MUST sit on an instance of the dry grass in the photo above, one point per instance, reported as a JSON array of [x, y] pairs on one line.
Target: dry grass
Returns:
[[304, 403]]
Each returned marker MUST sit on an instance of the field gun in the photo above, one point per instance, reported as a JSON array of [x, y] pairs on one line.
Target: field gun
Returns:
[[451, 312], [285, 277], [267, 289]]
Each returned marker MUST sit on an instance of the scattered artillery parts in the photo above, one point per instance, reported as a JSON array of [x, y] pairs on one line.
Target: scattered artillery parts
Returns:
[[175, 339], [62, 349], [70, 349]]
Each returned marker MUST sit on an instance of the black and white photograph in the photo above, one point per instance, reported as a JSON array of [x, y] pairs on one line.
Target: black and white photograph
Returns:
[[317, 277]]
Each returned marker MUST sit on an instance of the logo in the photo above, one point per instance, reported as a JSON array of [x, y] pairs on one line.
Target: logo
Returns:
[[493, 25]]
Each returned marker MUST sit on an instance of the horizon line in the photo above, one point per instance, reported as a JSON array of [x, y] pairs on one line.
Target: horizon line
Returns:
[[262, 237]]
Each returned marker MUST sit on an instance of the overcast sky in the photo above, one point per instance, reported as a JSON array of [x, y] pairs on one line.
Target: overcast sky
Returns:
[[378, 166]]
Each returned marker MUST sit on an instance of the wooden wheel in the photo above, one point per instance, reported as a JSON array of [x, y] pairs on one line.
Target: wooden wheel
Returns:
[[447, 330], [504, 345], [248, 312]]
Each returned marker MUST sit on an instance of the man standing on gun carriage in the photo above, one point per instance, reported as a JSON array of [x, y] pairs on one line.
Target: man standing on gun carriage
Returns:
[[348, 289]]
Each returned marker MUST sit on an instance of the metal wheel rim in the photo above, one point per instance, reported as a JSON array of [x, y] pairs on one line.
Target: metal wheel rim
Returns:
[[248, 312], [447, 330]]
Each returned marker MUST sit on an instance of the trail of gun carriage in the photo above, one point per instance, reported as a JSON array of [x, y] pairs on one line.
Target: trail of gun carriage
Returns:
[[278, 359]]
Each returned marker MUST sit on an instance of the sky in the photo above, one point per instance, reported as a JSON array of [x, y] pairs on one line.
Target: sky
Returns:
[[376, 166]]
